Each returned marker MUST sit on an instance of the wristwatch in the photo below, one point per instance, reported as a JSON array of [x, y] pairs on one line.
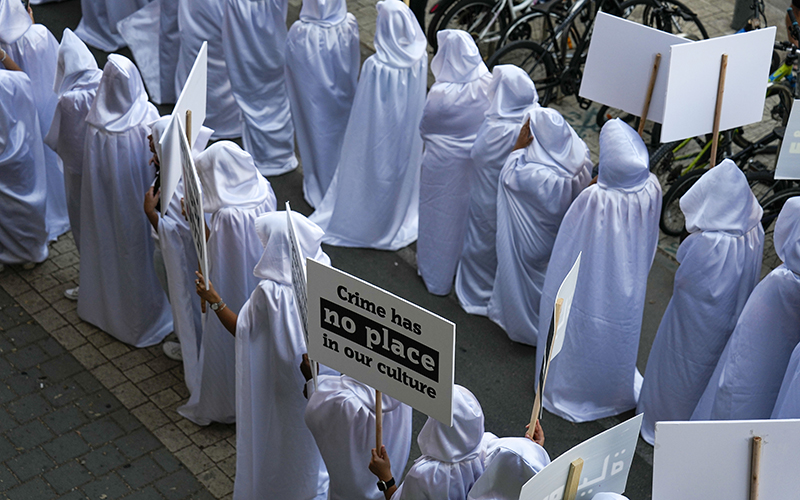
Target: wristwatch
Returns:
[[218, 306], [385, 485]]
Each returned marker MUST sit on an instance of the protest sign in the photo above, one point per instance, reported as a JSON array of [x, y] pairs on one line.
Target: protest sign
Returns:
[[713, 459], [381, 340], [607, 459], [693, 83], [620, 62], [788, 166], [192, 99]]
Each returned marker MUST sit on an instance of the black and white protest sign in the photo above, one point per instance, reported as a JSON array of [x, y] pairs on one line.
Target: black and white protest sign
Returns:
[[298, 273], [381, 340], [788, 166]]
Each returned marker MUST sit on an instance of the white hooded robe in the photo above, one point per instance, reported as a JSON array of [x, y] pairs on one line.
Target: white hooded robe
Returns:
[[748, 377], [373, 198], [120, 293], [98, 26], [510, 463], [615, 224], [788, 403], [235, 193], [720, 264], [510, 94], [23, 183], [341, 416], [77, 79], [322, 61], [536, 187], [453, 114]]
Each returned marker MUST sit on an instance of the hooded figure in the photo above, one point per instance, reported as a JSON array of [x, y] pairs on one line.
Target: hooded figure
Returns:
[[453, 114], [200, 21], [77, 79], [35, 50], [452, 457], [98, 26], [615, 224], [341, 416], [788, 403], [748, 377], [254, 42], [720, 266], [537, 185], [510, 94], [235, 193], [276, 455], [322, 61], [119, 292], [23, 184], [373, 198], [510, 463]]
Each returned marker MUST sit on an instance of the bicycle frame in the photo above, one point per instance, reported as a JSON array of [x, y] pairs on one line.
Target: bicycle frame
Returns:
[[513, 10]]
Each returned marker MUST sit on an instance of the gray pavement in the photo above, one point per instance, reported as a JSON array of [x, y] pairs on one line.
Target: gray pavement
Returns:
[[85, 416]]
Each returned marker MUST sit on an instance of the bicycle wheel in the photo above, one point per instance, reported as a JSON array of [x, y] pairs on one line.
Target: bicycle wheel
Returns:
[[772, 208], [532, 58], [777, 106], [672, 220], [433, 27], [477, 17], [534, 26], [665, 15]]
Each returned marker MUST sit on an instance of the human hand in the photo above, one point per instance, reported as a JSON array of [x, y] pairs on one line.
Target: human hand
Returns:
[[151, 200], [183, 210], [380, 465], [525, 137], [538, 434], [305, 368], [211, 296]]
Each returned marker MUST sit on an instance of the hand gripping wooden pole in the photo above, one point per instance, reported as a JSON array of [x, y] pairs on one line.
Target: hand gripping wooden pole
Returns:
[[574, 476], [378, 421], [649, 97], [755, 465], [712, 161], [537, 401]]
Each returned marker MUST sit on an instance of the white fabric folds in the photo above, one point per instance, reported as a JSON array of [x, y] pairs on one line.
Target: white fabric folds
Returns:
[[615, 224], [200, 21], [98, 26], [254, 43], [373, 198], [747, 380], [536, 187], [77, 79], [322, 62], [23, 184], [720, 266], [120, 293], [276, 456], [788, 403], [453, 114], [235, 193], [510, 463], [341, 416], [510, 94]]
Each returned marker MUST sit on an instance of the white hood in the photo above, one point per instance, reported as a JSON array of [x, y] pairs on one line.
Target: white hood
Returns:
[[76, 67], [458, 59], [121, 101], [399, 40], [230, 178]]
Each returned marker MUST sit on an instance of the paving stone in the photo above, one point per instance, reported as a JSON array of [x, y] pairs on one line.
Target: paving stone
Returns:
[[141, 472], [139, 373], [25, 333], [67, 477], [61, 368], [7, 479], [7, 422], [30, 435], [126, 420], [166, 460], [65, 305], [88, 382], [101, 431], [56, 293], [212, 434], [104, 459], [67, 275], [65, 419], [178, 485], [137, 443], [218, 484], [148, 493], [157, 383], [228, 466], [100, 339], [14, 285], [25, 381], [32, 302], [73, 495], [44, 283], [131, 359], [64, 244], [30, 463], [220, 451], [107, 487], [7, 450], [36, 488], [172, 437], [50, 319], [50, 346], [72, 317], [88, 356], [109, 375], [167, 397], [114, 349], [99, 403], [129, 395], [27, 357], [194, 459], [66, 260], [86, 329], [66, 447], [60, 393], [28, 407], [149, 415], [162, 363]]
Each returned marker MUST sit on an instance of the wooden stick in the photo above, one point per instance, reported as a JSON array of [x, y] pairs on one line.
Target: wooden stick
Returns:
[[537, 400], [712, 161], [378, 421], [755, 465], [575, 469], [649, 96], [189, 139]]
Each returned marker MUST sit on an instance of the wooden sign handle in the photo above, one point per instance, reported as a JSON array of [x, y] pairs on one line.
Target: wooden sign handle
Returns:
[[723, 69], [537, 401], [189, 139], [755, 465], [574, 476], [378, 420], [649, 97]]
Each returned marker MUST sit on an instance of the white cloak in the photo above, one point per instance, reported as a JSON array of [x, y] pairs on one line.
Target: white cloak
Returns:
[[615, 224], [236, 194], [120, 293], [35, 50], [788, 403], [98, 26], [720, 264], [322, 61], [200, 21], [510, 463], [510, 94], [254, 43], [77, 79], [341, 416], [452, 457], [450, 122], [276, 455], [748, 377], [373, 198], [536, 187], [23, 185]]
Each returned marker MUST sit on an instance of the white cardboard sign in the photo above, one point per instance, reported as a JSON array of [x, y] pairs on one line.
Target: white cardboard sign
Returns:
[[712, 459], [694, 78], [607, 459], [192, 98], [381, 340], [788, 166], [620, 62]]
